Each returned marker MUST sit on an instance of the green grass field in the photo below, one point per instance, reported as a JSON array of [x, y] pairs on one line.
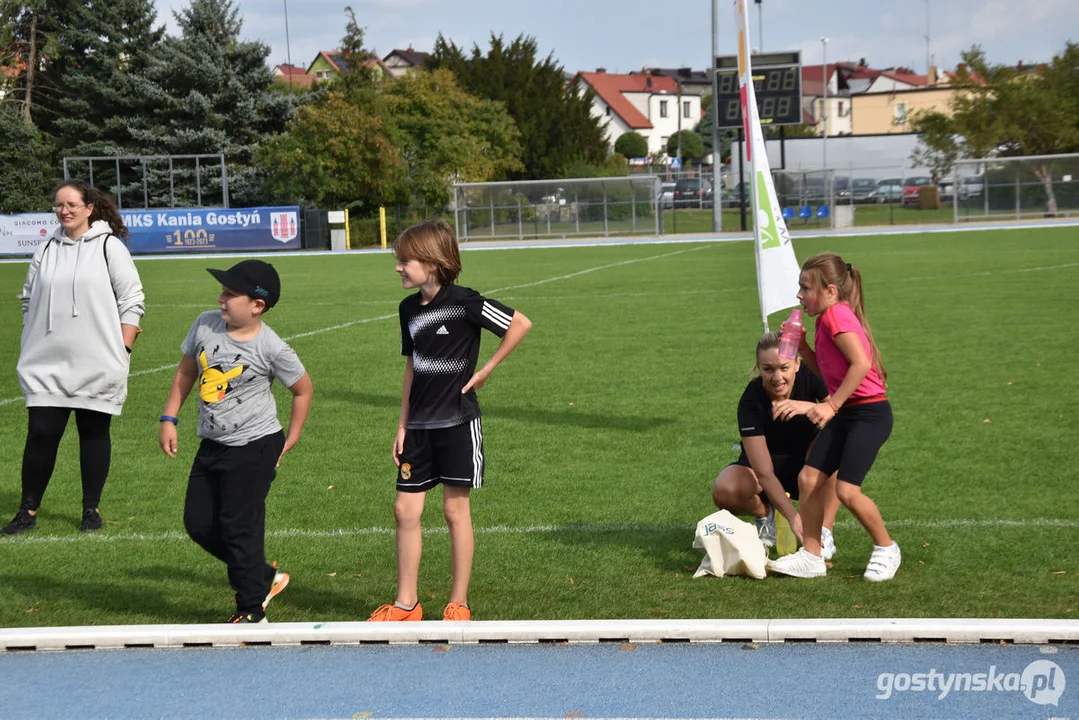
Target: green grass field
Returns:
[[604, 432]]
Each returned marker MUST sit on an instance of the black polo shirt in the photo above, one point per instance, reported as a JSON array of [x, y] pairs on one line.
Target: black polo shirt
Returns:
[[786, 439], [443, 338]]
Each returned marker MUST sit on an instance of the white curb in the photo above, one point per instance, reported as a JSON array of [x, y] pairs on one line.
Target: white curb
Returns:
[[887, 630]]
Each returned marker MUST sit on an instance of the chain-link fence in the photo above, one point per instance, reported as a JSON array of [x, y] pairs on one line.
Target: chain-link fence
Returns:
[[1014, 188], [537, 209]]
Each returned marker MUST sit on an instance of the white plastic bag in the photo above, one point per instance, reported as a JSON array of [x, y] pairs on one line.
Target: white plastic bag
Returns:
[[731, 547]]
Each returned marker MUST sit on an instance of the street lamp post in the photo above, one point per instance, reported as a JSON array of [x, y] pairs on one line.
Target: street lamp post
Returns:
[[760, 25], [824, 104], [288, 47], [717, 209]]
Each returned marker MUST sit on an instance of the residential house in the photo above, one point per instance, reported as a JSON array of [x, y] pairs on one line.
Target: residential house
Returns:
[[329, 63], [835, 118], [698, 82], [647, 104], [888, 109], [9, 75], [861, 100], [403, 62], [292, 75]]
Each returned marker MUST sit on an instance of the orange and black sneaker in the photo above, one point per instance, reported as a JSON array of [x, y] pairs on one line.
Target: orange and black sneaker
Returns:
[[456, 611], [392, 613], [251, 617], [280, 580]]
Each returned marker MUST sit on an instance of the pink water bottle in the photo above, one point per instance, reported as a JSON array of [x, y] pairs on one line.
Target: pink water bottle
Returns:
[[792, 335]]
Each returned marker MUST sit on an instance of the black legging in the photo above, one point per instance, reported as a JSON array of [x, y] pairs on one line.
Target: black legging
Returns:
[[46, 428]]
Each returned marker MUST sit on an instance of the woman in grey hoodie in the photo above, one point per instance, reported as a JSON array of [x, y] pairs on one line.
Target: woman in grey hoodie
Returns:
[[82, 303]]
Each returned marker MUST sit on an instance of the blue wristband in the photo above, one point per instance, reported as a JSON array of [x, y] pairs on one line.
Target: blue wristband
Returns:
[[169, 418]]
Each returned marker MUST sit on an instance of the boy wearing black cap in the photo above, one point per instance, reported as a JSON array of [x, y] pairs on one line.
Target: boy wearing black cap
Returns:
[[235, 357]]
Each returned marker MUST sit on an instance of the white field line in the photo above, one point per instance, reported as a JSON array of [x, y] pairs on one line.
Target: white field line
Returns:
[[600, 267], [364, 321], [986, 273], [176, 535]]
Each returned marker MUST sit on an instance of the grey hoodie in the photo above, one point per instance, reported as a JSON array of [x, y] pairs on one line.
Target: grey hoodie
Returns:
[[73, 304]]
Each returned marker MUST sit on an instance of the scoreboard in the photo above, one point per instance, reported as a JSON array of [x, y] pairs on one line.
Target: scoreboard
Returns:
[[777, 83]]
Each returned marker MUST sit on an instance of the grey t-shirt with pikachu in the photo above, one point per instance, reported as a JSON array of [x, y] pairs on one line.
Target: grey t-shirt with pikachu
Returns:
[[236, 405]]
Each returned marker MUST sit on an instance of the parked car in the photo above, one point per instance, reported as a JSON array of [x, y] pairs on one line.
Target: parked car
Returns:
[[887, 190], [858, 189], [666, 195], [693, 192], [912, 188], [732, 197], [946, 190], [972, 186]]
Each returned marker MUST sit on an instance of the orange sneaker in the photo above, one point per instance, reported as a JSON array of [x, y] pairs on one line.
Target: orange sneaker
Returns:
[[456, 611], [392, 613]]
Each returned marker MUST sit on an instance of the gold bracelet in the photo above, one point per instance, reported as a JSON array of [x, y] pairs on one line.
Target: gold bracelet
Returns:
[[831, 404]]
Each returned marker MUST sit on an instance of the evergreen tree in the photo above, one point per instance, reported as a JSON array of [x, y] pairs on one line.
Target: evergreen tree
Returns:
[[26, 167], [556, 122], [91, 76], [356, 80], [209, 92]]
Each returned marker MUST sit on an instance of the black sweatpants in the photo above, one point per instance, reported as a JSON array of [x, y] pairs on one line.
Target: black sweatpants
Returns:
[[225, 511], [44, 431]]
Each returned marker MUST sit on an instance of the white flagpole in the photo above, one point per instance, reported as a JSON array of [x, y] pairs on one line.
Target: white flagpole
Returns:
[[777, 268], [749, 118]]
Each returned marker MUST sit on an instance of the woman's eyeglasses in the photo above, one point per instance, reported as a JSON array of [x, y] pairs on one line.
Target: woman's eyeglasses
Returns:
[[67, 206]]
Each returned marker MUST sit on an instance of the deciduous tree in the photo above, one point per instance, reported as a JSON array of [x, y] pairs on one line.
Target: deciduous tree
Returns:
[[449, 135], [692, 146], [334, 155], [1005, 111], [631, 145]]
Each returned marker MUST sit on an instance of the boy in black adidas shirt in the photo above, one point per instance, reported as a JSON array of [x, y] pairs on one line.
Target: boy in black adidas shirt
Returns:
[[439, 438]]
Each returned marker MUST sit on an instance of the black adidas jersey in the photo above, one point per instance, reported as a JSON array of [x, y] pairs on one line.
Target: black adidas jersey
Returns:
[[443, 338]]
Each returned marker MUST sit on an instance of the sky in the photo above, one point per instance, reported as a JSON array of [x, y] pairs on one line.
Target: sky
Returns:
[[626, 35]]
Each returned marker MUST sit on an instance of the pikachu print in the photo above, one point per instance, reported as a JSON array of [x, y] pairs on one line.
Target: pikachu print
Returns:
[[213, 383]]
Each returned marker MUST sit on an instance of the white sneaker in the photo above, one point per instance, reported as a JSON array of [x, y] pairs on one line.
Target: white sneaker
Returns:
[[883, 564], [802, 564], [827, 544], [766, 528]]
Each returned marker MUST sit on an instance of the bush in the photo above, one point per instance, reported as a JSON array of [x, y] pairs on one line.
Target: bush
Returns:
[[692, 145], [631, 145]]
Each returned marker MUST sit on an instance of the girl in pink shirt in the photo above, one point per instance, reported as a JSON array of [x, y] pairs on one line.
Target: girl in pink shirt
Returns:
[[856, 419]]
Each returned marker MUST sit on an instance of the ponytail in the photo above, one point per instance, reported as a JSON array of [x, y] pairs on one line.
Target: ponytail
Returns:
[[830, 269], [857, 304]]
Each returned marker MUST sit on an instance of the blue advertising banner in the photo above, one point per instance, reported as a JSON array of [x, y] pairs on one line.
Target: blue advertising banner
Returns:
[[201, 230], [173, 231]]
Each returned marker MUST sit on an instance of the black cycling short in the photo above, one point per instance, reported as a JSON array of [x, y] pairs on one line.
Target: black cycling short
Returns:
[[850, 441]]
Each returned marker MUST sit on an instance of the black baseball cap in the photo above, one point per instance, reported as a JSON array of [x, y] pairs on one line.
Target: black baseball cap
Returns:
[[255, 278]]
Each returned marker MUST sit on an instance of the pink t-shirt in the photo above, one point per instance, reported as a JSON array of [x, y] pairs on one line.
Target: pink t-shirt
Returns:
[[839, 318]]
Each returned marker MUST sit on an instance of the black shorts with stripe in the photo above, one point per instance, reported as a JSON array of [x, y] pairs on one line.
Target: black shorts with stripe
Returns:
[[450, 456]]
